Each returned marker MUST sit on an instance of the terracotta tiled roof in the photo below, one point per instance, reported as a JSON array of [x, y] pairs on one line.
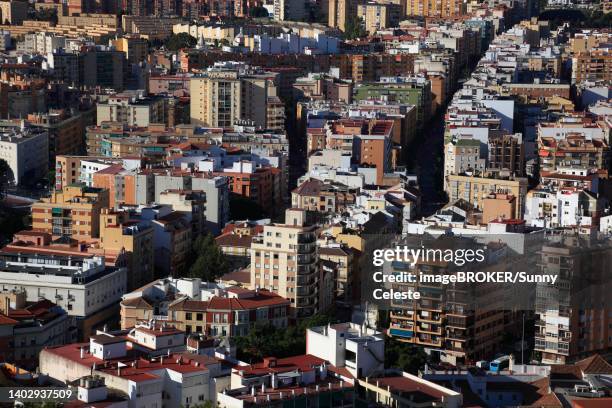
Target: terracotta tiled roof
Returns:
[[594, 365]]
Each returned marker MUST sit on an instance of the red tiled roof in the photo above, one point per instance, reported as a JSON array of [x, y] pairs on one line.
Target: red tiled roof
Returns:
[[592, 403], [594, 365], [304, 363]]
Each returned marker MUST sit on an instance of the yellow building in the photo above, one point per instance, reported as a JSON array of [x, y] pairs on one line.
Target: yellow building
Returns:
[[73, 211], [378, 16], [284, 260], [427, 8], [119, 236], [222, 97], [136, 48], [340, 12], [475, 189]]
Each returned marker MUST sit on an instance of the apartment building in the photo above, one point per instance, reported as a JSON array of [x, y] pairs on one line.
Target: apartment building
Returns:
[[343, 261], [135, 48], [102, 67], [25, 150], [27, 327], [13, 12], [506, 154], [65, 130], [172, 237], [550, 206], [369, 142], [232, 314], [378, 16], [402, 389], [284, 260], [357, 348], [261, 184], [475, 188], [83, 286], [303, 379], [594, 65], [286, 10], [223, 96], [573, 314], [404, 90], [315, 195], [317, 86], [131, 109], [74, 211], [443, 9], [132, 241], [159, 375], [463, 154], [340, 12], [572, 151], [190, 203], [447, 319]]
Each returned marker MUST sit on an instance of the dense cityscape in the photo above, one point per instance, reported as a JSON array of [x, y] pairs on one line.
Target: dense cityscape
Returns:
[[290, 203]]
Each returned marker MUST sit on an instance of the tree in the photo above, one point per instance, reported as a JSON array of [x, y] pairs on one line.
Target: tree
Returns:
[[354, 29], [266, 340], [404, 356], [258, 12], [208, 261], [181, 40]]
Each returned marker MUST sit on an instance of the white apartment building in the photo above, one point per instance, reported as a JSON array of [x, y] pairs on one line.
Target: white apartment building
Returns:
[[549, 208], [169, 379], [25, 150], [83, 286], [360, 349], [41, 43]]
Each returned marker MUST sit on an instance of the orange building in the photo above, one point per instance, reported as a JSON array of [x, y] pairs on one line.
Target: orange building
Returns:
[[260, 184], [372, 139], [498, 206], [73, 211]]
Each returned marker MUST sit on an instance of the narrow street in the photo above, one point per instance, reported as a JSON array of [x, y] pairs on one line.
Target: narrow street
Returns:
[[427, 160]]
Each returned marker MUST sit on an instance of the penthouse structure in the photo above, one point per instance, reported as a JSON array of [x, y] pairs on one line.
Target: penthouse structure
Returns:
[[83, 286]]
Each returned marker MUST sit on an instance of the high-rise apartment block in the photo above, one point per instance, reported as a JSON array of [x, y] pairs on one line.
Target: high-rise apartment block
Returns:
[[427, 8], [573, 314], [284, 260], [340, 12], [224, 97]]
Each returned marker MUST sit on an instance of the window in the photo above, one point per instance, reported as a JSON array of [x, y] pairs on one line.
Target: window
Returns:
[[187, 316], [199, 317]]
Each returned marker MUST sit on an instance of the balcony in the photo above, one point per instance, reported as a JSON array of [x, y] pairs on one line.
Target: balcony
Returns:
[[437, 330], [402, 314], [427, 340], [403, 333], [429, 318], [305, 249]]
